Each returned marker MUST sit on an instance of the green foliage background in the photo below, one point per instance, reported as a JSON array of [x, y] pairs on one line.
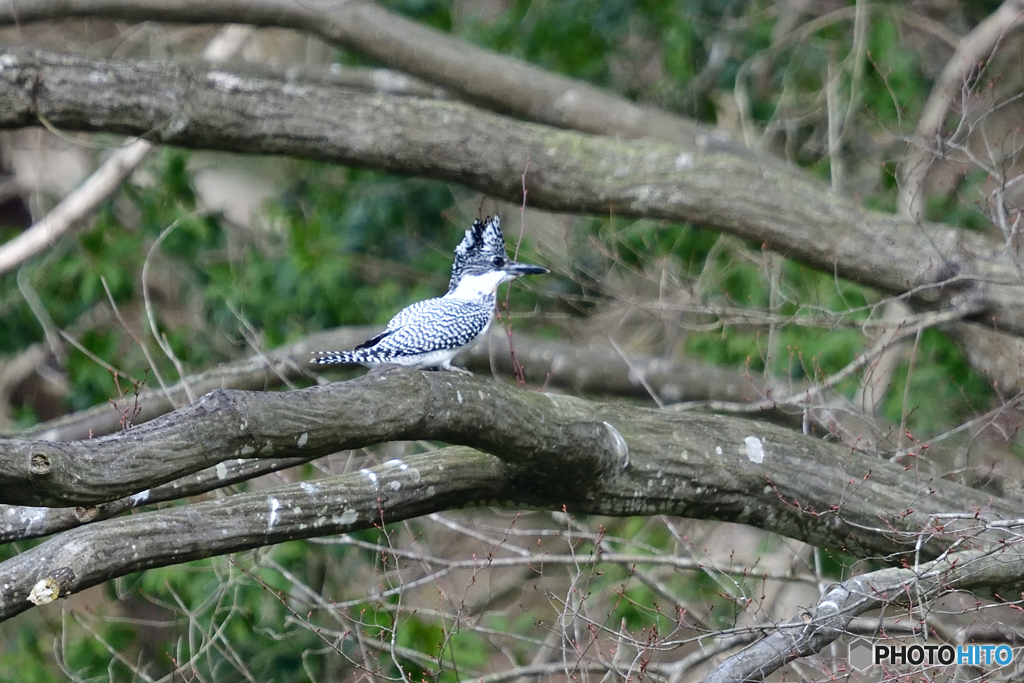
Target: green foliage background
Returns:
[[354, 246]]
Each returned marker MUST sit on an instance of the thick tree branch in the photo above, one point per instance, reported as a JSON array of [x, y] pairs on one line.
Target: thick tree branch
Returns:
[[701, 466], [375, 408], [584, 369], [213, 109], [19, 523], [453, 477], [94, 553], [502, 83]]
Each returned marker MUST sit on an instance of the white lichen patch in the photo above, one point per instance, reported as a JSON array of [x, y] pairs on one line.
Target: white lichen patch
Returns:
[[26, 517], [754, 448], [671, 393], [140, 498], [275, 516], [309, 488], [619, 445], [684, 160], [395, 485], [222, 470], [718, 450], [458, 395], [570, 98], [224, 82], [385, 80], [303, 439], [371, 475], [292, 90], [348, 516]]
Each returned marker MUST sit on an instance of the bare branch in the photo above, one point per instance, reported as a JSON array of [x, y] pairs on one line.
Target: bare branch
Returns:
[[104, 182], [19, 523], [584, 369], [574, 453], [262, 371], [972, 50], [784, 210], [480, 75], [77, 206], [97, 552], [838, 607], [995, 355]]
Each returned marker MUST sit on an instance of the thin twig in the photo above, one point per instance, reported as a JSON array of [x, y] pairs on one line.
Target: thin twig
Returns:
[[161, 339], [804, 396], [74, 208], [141, 344]]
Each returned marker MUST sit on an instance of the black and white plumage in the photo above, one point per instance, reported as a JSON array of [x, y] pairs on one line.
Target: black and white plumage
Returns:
[[430, 333]]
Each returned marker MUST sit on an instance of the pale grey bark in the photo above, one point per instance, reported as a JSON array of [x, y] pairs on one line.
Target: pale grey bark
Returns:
[[96, 552]]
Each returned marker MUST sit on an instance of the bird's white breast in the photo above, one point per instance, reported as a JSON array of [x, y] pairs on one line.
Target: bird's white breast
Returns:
[[477, 286]]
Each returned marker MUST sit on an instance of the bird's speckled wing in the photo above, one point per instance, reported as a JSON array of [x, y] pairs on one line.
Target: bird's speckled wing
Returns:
[[409, 312], [422, 328], [435, 324]]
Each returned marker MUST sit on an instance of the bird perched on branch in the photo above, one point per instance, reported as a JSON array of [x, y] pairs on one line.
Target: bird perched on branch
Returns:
[[429, 334]]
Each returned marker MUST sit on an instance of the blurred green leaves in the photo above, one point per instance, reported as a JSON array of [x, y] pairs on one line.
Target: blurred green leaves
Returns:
[[345, 246]]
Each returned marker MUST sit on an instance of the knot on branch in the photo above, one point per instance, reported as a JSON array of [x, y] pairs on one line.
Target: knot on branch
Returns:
[[56, 584], [39, 464]]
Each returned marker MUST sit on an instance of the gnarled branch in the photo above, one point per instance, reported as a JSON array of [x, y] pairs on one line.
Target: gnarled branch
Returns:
[[604, 459], [215, 109]]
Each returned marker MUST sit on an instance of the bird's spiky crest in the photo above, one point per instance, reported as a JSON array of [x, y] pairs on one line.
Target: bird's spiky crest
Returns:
[[481, 244]]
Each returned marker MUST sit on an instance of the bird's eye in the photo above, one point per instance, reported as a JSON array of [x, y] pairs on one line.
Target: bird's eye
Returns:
[[498, 261]]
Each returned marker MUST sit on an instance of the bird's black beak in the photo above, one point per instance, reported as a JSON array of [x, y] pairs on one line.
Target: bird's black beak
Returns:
[[516, 269]]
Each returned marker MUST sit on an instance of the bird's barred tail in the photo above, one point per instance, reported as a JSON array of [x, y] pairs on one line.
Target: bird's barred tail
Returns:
[[336, 358]]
